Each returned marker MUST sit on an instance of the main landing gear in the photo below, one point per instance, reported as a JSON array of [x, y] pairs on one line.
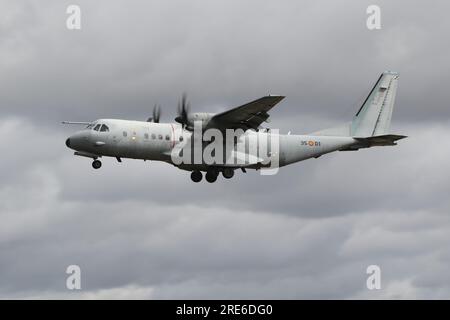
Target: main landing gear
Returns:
[[228, 173], [196, 176], [211, 175], [97, 164]]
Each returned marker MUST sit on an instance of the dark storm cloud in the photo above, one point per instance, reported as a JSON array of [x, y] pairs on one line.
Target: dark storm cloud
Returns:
[[144, 230], [125, 59]]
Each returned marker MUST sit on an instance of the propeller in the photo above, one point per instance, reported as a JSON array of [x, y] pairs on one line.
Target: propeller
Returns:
[[183, 111], [156, 114]]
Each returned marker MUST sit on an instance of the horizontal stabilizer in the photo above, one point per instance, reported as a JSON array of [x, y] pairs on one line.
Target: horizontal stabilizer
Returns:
[[383, 140]]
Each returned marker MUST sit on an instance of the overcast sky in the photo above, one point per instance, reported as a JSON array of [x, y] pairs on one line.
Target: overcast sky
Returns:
[[144, 230]]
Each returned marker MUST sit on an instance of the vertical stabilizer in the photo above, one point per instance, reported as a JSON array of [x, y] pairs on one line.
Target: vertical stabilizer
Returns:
[[374, 116]]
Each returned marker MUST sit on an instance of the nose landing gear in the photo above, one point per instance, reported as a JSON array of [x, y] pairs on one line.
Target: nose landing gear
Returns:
[[97, 164]]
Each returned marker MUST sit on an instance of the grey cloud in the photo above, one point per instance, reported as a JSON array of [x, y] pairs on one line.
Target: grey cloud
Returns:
[[142, 230], [320, 55]]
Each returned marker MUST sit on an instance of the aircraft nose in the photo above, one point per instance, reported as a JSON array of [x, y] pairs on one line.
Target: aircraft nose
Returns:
[[68, 143]]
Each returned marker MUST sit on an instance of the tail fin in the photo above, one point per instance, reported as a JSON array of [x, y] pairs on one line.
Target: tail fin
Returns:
[[374, 116]]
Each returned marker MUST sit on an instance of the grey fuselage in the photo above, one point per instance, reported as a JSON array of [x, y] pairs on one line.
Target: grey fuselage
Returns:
[[156, 141]]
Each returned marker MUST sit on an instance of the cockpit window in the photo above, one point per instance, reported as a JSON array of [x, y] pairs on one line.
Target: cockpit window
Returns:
[[89, 126], [97, 127], [104, 128]]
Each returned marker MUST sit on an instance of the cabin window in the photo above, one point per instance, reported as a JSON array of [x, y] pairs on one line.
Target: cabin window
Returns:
[[124, 133], [104, 128], [153, 136], [146, 136], [181, 138], [97, 127], [160, 136], [167, 137]]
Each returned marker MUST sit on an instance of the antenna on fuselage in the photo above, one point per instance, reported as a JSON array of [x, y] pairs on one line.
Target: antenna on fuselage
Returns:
[[76, 122]]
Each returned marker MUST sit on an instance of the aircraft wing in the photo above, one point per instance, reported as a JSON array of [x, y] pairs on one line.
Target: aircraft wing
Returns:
[[247, 116]]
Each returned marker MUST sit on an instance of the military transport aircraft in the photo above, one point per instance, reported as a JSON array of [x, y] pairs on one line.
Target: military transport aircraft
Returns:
[[152, 140]]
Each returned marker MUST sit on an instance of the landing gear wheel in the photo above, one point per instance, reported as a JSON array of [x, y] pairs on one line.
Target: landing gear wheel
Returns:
[[211, 176], [97, 164], [196, 176], [228, 173]]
